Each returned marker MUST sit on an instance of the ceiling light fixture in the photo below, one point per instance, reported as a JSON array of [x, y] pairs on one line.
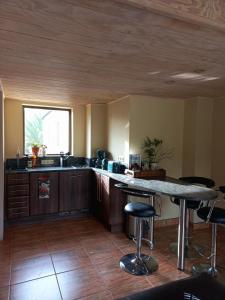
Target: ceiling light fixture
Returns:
[[194, 76]]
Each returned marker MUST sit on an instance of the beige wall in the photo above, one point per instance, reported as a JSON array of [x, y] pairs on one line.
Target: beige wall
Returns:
[[1, 162], [99, 127], [218, 142], [96, 128], [189, 137], [203, 138], [197, 147], [160, 118], [88, 131], [14, 127], [132, 118], [118, 117]]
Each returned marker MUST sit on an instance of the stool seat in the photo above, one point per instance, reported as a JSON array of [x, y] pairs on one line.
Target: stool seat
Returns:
[[140, 210], [217, 216], [191, 204]]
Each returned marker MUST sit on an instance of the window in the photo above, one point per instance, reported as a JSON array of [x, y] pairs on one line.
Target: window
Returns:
[[47, 126]]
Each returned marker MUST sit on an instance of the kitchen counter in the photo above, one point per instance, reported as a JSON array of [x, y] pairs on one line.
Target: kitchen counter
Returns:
[[172, 188], [46, 169], [169, 187]]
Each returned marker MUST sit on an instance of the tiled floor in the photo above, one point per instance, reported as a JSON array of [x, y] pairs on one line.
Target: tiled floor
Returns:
[[78, 259]]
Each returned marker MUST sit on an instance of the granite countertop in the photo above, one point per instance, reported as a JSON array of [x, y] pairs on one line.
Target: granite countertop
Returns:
[[170, 188], [46, 169]]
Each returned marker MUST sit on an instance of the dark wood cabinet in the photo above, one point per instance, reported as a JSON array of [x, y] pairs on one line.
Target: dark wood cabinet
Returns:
[[109, 203], [44, 190], [75, 190], [17, 196]]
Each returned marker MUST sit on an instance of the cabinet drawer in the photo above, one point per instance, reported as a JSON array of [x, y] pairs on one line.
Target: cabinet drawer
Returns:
[[17, 178], [18, 205], [15, 213], [18, 190], [17, 202]]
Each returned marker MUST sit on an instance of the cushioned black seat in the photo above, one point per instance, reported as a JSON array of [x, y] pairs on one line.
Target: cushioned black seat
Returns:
[[207, 182], [222, 189], [190, 204], [217, 216], [202, 287], [140, 210]]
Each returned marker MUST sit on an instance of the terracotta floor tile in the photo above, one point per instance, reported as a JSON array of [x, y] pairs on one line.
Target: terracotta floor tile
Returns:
[[79, 283], [70, 260], [5, 275], [20, 253], [106, 295], [101, 257], [127, 287], [40, 289], [82, 251], [30, 269], [98, 246], [4, 293], [62, 244]]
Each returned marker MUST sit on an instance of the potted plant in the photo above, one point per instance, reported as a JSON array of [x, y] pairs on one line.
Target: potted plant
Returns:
[[35, 149], [154, 152]]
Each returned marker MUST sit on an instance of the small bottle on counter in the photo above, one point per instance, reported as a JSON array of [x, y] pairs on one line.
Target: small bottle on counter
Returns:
[[29, 162]]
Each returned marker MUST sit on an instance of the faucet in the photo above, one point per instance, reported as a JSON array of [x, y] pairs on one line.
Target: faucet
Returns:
[[63, 157]]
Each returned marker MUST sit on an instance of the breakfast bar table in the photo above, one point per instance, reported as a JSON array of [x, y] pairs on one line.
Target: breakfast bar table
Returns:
[[172, 188], [184, 192]]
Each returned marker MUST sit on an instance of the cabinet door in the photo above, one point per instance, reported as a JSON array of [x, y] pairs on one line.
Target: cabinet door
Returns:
[[75, 190], [118, 201], [80, 183], [43, 193], [97, 195], [65, 195], [105, 199]]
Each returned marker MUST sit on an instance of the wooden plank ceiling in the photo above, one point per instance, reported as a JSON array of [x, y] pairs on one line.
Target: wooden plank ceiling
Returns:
[[95, 51]]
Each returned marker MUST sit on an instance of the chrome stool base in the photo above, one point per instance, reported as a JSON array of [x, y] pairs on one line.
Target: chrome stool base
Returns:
[[143, 265], [206, 268]]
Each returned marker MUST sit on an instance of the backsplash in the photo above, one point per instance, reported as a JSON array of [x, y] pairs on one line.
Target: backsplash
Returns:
[[48, 161]]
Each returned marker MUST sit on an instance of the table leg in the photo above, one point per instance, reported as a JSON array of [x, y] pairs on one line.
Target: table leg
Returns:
[[181, 235], [151, 224]]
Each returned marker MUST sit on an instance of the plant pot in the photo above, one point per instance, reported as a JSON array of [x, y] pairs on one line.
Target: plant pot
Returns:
[[154, 166], [35, 150]]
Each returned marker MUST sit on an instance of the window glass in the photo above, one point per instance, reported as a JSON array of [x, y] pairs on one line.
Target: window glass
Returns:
[[47, 126]]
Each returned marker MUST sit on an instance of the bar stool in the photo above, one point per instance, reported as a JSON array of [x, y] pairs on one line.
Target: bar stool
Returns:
[[214, 215], [191, 205], [137, 263], [150, 196]]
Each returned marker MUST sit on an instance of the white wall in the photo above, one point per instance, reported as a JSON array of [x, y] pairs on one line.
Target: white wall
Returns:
[[1, 162]]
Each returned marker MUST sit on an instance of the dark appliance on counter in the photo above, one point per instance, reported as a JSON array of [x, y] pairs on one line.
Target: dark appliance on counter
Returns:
[[116, 167]]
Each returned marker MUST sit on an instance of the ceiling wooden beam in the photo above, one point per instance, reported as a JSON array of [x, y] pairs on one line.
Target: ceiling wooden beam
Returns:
[[206, 12]]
